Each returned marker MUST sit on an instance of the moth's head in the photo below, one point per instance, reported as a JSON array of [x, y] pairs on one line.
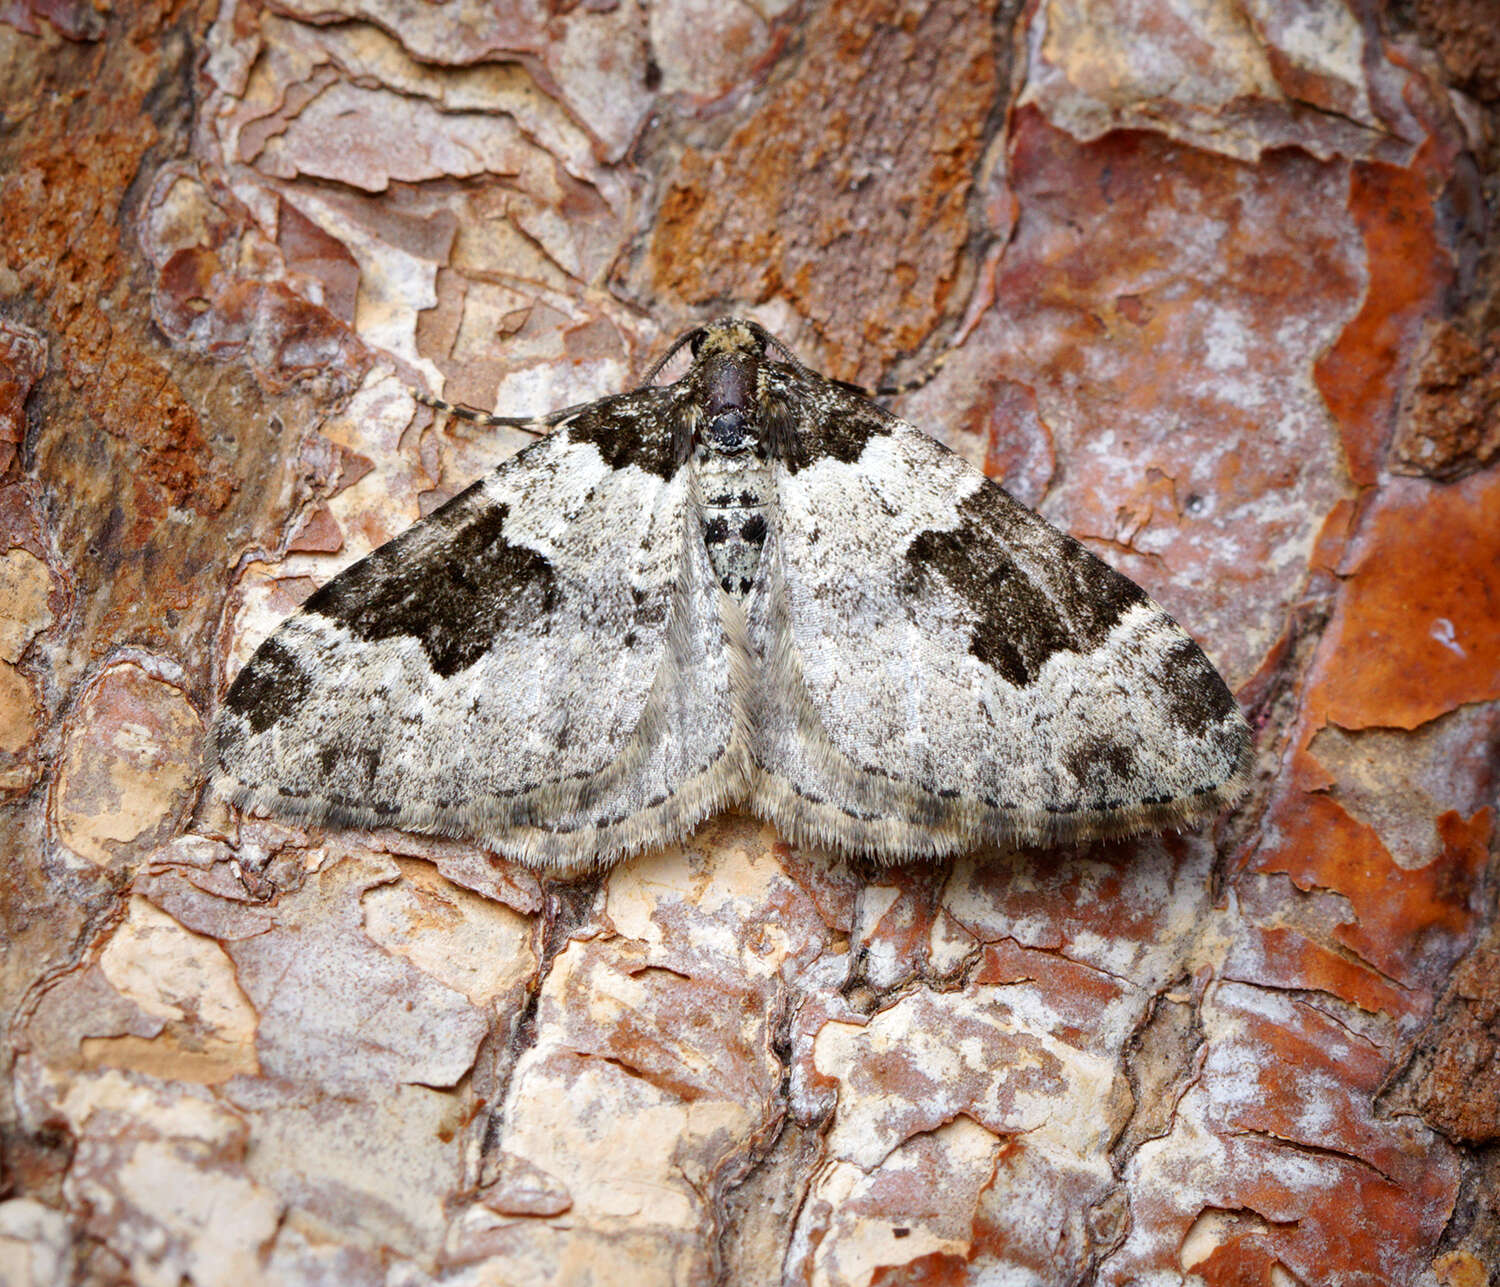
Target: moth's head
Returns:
[[723, 400], [728, 335]]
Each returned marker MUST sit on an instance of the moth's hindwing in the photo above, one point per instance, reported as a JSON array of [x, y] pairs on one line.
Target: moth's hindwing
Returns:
[[539, 663], [950, 669]]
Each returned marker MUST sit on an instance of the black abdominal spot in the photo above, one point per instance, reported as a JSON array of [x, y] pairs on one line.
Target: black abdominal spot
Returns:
[[1016, 627], [716, 530], [453, 596], [643, 429], [745, 585], [1194, 697], [271, 686], [754, 529]]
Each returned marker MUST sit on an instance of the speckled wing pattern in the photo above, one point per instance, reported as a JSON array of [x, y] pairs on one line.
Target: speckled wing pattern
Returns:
[[949, 669], [751, 586], [539, 663]]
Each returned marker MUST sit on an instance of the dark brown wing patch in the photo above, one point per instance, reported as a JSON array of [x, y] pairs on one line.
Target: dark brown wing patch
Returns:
[[646, 429], [454, 596], [1018, 625]]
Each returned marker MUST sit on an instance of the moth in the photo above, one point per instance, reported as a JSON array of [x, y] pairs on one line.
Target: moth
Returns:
[[752, 587]]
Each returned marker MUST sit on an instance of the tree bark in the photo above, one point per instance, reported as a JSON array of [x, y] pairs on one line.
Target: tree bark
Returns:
[[1212, 287]]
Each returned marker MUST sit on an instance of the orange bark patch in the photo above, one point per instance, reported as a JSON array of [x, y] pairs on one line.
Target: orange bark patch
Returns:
[[1078, 996], [1302, 1163], [1405, 922], [1280, 957], [1450, 423], [59, 231], [1417, 632], [789, 205], [1408, 271]]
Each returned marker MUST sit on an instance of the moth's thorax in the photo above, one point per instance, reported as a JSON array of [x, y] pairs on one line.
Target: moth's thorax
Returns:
[[730, 400], [731, 466]]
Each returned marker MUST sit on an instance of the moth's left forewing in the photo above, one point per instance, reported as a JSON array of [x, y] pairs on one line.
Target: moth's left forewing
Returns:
[[969, 672], [538, 663]]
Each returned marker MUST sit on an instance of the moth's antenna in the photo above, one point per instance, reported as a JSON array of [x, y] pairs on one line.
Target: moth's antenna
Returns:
[[917, 381], [880, 391], [687, 337], [536, 426]]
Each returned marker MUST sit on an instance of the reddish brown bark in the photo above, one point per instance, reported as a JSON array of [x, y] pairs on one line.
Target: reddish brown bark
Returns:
[[1216, 288]]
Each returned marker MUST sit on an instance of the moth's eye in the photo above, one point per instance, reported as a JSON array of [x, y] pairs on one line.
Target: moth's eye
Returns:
[[696, 342]]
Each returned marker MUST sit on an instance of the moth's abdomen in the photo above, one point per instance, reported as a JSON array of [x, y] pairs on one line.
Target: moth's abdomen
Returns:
[[735, 538], [731, 473]]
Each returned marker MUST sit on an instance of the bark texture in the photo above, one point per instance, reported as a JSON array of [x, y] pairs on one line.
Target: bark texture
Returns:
[[1217, 286]]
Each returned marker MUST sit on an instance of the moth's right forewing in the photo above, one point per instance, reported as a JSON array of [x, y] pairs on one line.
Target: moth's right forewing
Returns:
[[962, 672]]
